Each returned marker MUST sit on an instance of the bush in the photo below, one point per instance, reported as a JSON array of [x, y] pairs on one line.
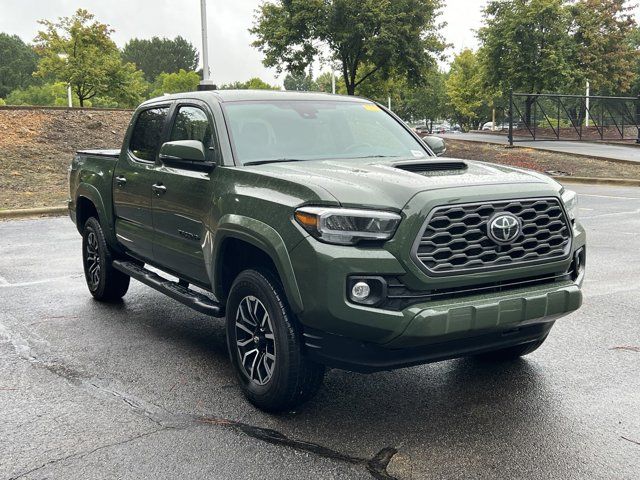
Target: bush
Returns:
[[48, 94], [2, 103]]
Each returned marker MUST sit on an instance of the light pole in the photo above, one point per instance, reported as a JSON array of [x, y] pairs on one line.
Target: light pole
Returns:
[[65, 57], [587, 104], [206, 83]]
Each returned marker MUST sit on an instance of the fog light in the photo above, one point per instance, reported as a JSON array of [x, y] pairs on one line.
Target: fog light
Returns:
[[360, 291]]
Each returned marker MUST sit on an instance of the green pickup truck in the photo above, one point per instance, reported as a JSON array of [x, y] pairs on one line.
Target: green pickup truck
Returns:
[[327, 234]]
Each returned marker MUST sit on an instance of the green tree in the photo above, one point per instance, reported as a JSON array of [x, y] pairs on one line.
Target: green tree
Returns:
[[300, 82], [323, 84], [526, 46], [604, 56], [254, 83], [18, 61], [78, 50], [634, 41], [465, 89], [383, 35], [177, 82], [161, 55]]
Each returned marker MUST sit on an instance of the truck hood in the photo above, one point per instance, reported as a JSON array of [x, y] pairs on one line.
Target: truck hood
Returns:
[[389, 184]]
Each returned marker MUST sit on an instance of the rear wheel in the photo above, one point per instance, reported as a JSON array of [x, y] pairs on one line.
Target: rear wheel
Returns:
[[512, 353], [265, 345], [105, 282]]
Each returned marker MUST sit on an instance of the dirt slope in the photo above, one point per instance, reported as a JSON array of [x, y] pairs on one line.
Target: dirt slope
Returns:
[[37, 145]]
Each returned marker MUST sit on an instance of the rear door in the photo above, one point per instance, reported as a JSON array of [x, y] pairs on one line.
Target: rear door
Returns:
[[133, 178], [183, 194]]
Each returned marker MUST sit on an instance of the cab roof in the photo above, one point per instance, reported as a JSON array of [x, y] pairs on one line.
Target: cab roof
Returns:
[[224, 96]]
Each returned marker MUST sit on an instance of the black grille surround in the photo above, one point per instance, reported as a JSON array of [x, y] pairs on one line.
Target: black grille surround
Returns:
[[454, 238]]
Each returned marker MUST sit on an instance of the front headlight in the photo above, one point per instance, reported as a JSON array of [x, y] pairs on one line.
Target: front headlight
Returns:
[[570, 200], [345, 226]]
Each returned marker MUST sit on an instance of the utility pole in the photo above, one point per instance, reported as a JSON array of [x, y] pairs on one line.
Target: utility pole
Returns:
[[333, 80], [389, 102], [206, 83]]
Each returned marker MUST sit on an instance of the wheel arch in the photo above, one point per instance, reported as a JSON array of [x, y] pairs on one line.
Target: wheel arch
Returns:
[[89, 202], [242, 242]]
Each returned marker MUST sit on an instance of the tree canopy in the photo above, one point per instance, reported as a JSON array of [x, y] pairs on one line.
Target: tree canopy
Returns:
[[379, 35], [78, 50], [254, 83], [161, 55], [537, 46], [176, 82], [18, 61]]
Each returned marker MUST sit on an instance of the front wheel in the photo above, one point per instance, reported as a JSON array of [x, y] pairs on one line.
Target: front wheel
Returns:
[[105, 282], [265, 345]]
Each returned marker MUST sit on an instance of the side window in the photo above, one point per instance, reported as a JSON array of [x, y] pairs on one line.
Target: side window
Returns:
[[192, 124], [147, 133]]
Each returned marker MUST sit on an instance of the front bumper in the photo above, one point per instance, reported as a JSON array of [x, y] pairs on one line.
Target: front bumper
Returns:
[[355, 337], [449, 329]]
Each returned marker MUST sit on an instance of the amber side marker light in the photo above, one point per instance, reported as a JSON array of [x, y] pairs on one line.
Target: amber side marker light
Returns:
[[307, 219]]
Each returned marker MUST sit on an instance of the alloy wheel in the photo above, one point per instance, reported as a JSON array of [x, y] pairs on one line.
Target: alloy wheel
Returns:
[[93, 261], [255, 340]]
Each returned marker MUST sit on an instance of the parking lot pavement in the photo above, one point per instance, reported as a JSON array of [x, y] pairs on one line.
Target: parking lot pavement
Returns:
[[144, 389]]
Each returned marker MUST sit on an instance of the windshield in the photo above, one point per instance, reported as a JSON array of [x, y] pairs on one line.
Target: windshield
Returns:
[[264, 131]]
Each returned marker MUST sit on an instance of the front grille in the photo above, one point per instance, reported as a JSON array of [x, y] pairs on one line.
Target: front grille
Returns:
[[454, 238]]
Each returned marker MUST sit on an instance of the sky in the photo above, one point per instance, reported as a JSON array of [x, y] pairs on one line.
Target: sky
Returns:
[[231, 55]]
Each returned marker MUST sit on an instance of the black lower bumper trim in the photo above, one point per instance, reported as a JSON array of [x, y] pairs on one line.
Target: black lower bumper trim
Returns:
[[357, 356]]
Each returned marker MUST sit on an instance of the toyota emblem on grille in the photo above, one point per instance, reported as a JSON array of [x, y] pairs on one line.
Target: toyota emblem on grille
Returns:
[[503, 228]]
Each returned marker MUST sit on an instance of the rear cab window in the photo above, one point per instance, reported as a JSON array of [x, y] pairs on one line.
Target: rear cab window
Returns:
[[147, 133]]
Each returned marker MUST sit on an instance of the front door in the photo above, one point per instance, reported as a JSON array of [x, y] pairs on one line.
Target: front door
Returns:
[[133, 178], [182, 197]]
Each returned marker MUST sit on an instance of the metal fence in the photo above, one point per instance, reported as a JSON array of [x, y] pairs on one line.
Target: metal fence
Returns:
[[551, 116]]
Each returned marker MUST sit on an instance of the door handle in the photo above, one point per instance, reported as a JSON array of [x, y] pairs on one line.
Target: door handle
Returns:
[[121, 181], [159, 189]]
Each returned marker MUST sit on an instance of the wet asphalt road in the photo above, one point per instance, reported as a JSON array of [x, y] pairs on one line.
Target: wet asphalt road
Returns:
[[143, 389]]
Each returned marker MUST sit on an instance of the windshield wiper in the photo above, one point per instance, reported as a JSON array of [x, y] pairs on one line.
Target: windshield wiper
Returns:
[[273, 160]]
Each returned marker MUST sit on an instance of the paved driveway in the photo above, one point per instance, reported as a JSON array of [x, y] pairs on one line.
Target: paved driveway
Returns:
[[616, 152], [143, 389]]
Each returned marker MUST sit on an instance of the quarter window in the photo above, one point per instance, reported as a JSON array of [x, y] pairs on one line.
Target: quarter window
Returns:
[[192, 124], [147, 133]]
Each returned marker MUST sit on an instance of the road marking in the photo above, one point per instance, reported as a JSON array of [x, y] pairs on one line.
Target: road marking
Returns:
[[36, 282], [607, 196], [614, 214], [3, 281]]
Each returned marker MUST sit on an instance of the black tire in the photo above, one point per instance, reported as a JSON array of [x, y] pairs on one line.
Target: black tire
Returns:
[[512, 353], [291, 379], [105, 283]]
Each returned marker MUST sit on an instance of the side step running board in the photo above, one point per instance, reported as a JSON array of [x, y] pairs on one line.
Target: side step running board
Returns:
[[197, 301]]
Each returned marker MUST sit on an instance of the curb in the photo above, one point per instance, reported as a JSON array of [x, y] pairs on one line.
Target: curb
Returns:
[[620, 182], [33, 212]]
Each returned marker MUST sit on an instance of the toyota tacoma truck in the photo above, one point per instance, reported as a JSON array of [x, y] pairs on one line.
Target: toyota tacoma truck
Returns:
[[327, 234]]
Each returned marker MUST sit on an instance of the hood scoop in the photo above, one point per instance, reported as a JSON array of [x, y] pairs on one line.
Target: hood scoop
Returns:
[[433, 168]]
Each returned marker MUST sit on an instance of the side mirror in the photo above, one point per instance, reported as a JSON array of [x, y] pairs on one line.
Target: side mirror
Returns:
[[436, 144], [185, 150]]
